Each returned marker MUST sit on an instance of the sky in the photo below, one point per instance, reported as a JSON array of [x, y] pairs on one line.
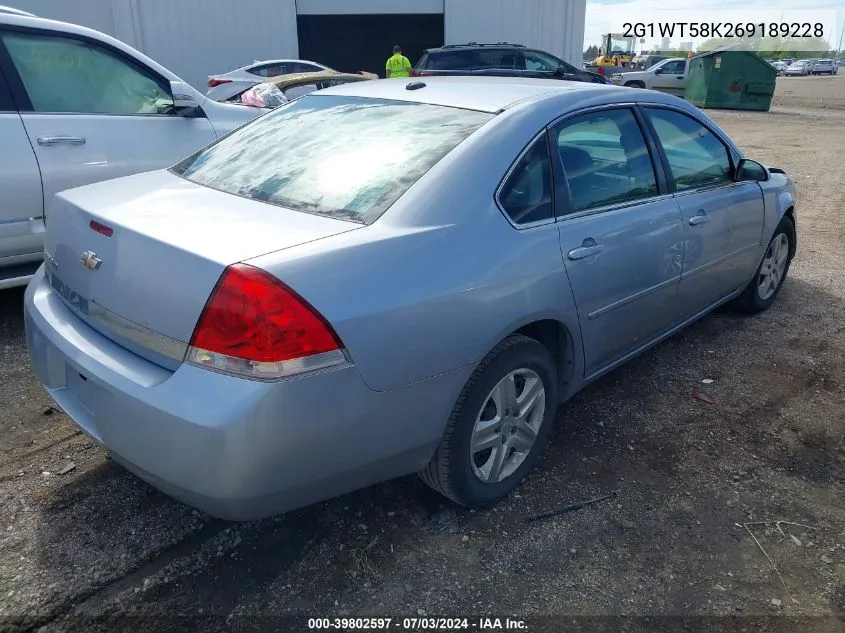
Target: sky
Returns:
[[609, 16]]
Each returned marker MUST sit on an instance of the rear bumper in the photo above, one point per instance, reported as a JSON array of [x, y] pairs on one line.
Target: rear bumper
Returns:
[[237, 449]]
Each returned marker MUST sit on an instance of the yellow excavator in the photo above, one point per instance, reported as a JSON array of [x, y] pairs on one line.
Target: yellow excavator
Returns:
[[615, 46]]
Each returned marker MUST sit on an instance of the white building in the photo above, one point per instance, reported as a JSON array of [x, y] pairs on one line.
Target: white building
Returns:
[[197, 38]]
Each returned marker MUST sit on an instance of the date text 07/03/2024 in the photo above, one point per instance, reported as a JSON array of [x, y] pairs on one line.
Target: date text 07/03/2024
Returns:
[[723, 29], [417, 624]]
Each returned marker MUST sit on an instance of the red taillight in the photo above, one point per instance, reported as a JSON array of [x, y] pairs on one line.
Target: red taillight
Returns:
[[254, 325], [601, 70], [212, 83], [102, 229]]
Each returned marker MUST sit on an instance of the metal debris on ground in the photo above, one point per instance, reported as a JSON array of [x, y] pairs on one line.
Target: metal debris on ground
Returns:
[[69, 467], [569, 508]]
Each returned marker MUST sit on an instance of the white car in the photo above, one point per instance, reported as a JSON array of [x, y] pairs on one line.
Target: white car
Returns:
[[77, 107], [780, 67], [668, 75], [227, 85]]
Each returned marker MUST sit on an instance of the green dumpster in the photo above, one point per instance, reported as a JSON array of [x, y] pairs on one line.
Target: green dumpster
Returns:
[[730, 80]]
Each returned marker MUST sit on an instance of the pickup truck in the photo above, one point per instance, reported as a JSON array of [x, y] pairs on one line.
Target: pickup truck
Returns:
[[669, 75]]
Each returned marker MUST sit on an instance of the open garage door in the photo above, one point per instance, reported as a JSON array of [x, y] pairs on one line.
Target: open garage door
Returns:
[[351, 43]]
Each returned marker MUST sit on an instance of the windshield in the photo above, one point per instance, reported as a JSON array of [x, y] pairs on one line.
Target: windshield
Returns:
[[620, 45], [344, 157]]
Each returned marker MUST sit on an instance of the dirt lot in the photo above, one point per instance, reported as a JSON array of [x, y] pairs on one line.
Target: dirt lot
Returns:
[[695, 483]]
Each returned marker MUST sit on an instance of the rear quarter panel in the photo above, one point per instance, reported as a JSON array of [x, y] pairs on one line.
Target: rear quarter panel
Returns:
[[442, 277]]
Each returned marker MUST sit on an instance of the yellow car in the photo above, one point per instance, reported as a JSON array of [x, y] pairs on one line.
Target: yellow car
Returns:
[[275, 91]]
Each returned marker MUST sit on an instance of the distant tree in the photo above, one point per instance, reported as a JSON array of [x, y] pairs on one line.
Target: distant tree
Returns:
[[773, 47], [714, 43], [591, 53]]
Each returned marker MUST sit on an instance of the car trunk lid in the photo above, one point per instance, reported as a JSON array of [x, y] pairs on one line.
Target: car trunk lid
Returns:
[[138, 257]]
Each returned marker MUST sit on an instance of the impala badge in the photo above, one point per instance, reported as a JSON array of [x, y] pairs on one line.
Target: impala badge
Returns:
[[90, 260]]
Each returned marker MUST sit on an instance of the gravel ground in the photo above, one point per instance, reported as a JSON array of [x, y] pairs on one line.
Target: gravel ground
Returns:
[[730, 510]]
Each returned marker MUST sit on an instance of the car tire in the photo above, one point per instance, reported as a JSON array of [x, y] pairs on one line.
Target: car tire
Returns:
[[764, 288], [475, 445]]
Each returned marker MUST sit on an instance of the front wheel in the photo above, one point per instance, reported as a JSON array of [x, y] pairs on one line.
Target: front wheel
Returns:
[[499, 425], [768, 280]]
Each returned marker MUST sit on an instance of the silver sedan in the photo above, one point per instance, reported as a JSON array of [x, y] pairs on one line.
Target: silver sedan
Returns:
[[393, 277]]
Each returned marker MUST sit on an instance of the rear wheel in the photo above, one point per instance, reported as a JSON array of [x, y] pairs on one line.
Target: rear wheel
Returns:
[[768, 280], [499, 425]]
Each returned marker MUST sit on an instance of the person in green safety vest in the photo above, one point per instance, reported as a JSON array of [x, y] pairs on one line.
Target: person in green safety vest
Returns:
[[398, 65]]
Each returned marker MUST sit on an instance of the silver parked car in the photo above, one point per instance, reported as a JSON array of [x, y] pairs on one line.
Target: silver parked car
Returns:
[[824, 67], [390, 277], [800, 68]]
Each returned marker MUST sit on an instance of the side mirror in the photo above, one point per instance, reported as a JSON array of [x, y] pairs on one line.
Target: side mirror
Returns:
[[183, 96], [748, 170], [658, 71]]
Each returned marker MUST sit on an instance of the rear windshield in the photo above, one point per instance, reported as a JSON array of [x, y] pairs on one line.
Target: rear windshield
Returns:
[[344, 157]]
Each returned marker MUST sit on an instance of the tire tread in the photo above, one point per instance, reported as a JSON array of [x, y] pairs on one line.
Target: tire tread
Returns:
[[437, 474]]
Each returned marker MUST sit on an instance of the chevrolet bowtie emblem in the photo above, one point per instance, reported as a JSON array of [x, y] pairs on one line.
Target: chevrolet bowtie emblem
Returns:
[[90, 260]]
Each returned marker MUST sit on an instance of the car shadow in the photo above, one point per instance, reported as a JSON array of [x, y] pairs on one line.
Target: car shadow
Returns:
[[112, 545]]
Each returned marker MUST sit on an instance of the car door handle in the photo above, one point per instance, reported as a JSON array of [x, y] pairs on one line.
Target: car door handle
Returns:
[[61, 140], [584, 251], [701, 218]]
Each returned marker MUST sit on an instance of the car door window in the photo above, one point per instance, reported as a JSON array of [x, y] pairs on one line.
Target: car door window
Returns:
[[271, 70], [499, 58], [605, 158], [526, 196], [64, 74], [6, 102], [674, 68], [535, 60], [696, 157]]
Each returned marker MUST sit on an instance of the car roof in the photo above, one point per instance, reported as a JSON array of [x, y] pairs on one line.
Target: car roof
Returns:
[[261, 62], [485, 94], [13, 11], [472, 46]]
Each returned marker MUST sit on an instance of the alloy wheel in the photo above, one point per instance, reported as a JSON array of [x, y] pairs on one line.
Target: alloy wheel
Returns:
[[507, 426]]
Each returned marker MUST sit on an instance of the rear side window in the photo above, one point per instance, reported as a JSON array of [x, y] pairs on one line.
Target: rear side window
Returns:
[[339, 156], [452, 60], [526, 195], [696, 157], [300, 67], [605, 159]]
